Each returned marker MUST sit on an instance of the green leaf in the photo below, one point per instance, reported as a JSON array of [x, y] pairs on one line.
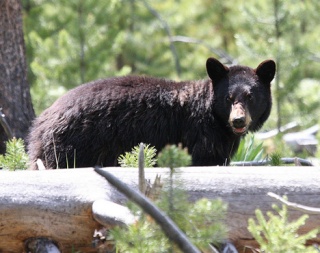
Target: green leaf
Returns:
[[249, 150]]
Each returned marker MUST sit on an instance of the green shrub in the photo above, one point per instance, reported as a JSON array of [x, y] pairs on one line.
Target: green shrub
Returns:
[[202, 222], [173, 156], [130, 159], [15, 157], [278, 235], [275, 159]]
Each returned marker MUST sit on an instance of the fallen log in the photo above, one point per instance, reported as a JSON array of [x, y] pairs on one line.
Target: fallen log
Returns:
[[57, 204]]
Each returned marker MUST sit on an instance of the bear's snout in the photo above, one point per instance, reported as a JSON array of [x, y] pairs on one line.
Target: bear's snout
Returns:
[[240, 119], [239, 122]]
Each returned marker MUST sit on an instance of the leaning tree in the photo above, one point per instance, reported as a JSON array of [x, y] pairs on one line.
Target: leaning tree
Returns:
[[15, 99]]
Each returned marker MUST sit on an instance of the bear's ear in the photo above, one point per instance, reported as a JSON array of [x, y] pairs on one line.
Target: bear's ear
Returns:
[[216, 70], [266, 70]]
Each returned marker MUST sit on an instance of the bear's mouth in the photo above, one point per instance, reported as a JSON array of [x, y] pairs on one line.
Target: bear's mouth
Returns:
[[239, 130]]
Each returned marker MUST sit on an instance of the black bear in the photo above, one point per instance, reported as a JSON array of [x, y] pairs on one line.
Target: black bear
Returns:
[[96, 122]]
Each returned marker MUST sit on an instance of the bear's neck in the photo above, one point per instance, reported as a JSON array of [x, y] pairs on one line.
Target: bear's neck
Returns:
[[197, 96]]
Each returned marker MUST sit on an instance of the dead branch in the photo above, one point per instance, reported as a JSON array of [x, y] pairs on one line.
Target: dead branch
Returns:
[[305, 209], [171, 230], [5, 125]]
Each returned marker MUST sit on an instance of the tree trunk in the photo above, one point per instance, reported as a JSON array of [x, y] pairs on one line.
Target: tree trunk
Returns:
[[15, 96], [66, 206]]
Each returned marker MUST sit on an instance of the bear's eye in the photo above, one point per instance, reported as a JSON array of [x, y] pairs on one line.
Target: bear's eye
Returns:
[[228, 98], [249, 97]]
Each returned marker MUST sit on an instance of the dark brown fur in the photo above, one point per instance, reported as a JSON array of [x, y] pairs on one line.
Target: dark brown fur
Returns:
[[96, 122]]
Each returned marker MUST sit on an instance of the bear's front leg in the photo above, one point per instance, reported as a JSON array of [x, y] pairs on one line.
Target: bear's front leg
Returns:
[[210, 161]]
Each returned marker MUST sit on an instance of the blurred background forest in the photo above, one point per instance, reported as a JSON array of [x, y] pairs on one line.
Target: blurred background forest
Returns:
[[72, 42]]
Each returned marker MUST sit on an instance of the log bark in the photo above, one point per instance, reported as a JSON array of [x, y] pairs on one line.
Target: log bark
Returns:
[[57, 204]]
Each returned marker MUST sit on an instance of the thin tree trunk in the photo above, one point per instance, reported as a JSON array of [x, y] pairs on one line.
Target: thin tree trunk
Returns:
[[15, 98], [277, 79], [82, 63]]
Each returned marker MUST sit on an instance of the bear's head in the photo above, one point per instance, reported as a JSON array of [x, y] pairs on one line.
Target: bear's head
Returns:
[[242, 95]]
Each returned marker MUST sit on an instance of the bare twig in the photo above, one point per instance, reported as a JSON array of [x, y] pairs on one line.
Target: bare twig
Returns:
[[5, 125], [108, 213], [153, 191], [224, 56], [296, 160], [40, 165], [82, 64], [306, 209], [226, 247], [142, 179], [171, 230], [167, 29]]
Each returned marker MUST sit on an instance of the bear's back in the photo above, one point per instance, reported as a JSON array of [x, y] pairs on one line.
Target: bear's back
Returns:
[[120, 112], [133, 91]]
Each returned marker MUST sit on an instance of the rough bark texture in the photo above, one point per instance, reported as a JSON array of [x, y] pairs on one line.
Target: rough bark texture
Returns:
[[58, 203], [15, 96]]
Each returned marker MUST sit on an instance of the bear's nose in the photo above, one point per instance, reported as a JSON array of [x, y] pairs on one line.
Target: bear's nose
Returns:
[[239, 122]]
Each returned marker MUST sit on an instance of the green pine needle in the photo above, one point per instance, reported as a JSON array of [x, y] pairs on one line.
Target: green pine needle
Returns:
[[130, 159], [15, 157], [277, 235]]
